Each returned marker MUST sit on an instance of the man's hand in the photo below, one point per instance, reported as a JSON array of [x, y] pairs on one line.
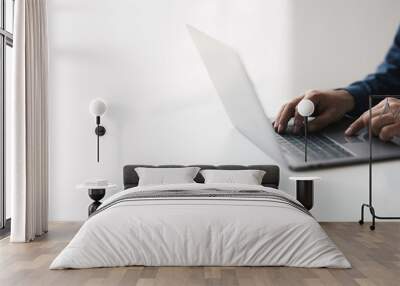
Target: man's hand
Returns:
[[385, 121], [330, 106]]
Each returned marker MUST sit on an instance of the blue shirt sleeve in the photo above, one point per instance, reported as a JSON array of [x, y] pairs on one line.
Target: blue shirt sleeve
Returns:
[[385, 81]]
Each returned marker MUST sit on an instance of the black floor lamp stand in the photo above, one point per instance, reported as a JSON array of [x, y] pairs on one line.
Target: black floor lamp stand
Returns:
[[370, 204]]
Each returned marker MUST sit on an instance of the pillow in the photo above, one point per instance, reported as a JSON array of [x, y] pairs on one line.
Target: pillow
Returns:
[[164, 176], [248, 177]]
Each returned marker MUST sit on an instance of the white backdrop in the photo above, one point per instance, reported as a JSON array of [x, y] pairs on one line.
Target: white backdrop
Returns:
[[138, 56]]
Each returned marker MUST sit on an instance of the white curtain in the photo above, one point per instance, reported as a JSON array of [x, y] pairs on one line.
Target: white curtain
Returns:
[[29, 140]]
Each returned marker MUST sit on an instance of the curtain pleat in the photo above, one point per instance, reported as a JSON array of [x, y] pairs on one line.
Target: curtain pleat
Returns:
[[30, 168]]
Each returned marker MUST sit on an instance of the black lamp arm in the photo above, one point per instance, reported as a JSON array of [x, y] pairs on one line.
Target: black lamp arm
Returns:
[[99, 131], [305, 137]]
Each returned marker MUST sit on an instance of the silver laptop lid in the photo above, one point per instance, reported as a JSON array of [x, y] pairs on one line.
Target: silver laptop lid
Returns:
[[237, 93]]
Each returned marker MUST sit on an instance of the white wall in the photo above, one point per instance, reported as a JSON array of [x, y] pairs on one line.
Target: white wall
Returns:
[[138, 56]]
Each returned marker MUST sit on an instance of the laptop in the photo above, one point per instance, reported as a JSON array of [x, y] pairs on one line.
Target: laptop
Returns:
[[328, 148]]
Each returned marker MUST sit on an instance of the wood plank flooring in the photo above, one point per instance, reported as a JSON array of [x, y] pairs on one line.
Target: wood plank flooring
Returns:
[[375, 257]]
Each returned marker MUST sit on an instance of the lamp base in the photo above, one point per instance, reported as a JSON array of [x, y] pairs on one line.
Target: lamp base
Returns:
[[100, 130], [374, 216]]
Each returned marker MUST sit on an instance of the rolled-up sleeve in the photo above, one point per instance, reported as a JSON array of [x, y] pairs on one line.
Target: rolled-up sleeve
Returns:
[[385, 81]]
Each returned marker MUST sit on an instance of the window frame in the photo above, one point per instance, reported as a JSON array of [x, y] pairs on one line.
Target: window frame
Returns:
[[6, 39]]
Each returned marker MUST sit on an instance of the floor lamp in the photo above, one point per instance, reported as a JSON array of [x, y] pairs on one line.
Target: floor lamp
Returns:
[[370, 203]]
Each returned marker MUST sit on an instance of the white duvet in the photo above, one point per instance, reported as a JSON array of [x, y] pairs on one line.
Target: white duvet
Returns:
[[223, 232]]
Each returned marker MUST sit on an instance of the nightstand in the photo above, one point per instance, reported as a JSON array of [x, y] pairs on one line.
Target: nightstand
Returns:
[[305, 190], [96, 193]]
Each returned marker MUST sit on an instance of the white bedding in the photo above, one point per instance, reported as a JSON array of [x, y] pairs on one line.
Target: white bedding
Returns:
[[199, 231]]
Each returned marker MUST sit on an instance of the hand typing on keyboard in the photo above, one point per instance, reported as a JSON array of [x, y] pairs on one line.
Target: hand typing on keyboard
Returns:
[[330, 106], [385, 121]]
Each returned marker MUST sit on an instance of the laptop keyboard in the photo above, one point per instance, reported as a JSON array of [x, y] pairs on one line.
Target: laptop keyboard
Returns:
[[319, 147]]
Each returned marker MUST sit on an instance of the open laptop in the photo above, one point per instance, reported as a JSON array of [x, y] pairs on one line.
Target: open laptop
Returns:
[[239, 97]]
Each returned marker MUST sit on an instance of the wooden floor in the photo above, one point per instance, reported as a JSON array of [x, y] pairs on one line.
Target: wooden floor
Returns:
[[375, 257]]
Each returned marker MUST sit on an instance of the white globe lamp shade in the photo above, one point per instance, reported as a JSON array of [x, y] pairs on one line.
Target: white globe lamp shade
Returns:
[[305, 107], [97, 107]]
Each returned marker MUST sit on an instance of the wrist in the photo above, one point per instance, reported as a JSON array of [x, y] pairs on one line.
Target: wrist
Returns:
[[346, 98]]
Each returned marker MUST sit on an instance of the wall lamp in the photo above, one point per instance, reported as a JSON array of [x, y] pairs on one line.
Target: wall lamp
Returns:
[[97, 108]]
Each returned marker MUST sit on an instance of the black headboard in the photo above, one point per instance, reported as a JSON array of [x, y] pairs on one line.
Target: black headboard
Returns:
[[271, 177]]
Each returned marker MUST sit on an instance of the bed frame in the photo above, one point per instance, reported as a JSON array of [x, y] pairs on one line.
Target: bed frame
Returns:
[[270, 179]]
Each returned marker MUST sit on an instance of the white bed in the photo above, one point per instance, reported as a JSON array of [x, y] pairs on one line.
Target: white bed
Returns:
[[188, 231]]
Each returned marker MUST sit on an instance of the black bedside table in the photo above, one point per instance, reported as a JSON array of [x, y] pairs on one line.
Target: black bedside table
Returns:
[[96, 193], [305, 190]]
